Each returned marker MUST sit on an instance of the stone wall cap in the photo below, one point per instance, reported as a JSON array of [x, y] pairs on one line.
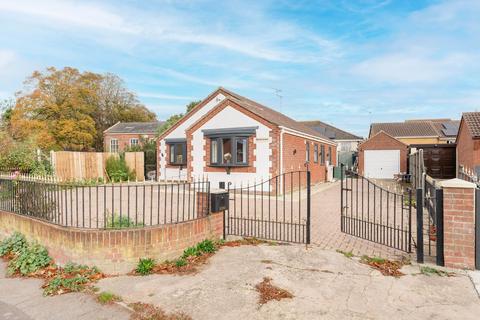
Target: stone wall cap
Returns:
[[457, 183]]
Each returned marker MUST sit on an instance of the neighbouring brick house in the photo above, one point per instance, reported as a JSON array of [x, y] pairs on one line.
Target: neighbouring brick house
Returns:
[[386, 157], [468, 141], [347, 143], [127, 134], [232, 139]]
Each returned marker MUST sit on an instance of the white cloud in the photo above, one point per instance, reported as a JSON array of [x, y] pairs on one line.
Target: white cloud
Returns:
[[411, 67], [6, 58]]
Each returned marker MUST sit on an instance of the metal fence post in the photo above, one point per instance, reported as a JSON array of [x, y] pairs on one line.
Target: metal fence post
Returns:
[[477, 229], [419, 202], [439, 226], [341, 196], [308, 206]]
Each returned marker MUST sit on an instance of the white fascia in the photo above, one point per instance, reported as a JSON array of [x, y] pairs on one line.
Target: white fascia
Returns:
[[307, 136]]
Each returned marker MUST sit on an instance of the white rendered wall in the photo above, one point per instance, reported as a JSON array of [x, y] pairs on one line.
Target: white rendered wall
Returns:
[[232, 118], [180, 132]]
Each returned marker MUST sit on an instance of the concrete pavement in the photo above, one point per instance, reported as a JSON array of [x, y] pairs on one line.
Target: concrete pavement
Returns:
[[325, 284]]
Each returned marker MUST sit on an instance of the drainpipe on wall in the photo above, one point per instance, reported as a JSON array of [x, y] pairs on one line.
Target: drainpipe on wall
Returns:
[[281, 151]]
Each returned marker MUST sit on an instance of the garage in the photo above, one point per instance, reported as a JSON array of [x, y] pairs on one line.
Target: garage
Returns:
[[382, 164], [382, 157]]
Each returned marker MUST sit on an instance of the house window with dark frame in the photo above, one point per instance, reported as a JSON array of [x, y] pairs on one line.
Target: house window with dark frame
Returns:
[[178, 153], [329, 155], [229, 151], [307, 158], [322, 154], [315, 153]]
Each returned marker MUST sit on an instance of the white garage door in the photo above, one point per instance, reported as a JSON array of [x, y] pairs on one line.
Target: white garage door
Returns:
[[382, 164]]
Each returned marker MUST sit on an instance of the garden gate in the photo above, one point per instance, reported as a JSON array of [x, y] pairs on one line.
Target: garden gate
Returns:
[[276, 209], [372, 212]]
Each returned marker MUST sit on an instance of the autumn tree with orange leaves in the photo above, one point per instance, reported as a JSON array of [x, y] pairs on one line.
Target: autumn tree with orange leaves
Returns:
[[69, 110]]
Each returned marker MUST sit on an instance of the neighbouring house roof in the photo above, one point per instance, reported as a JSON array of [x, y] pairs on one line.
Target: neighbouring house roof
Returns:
[[330, 131], [273, 116], [472, 120], [442, 128], [135, 127]]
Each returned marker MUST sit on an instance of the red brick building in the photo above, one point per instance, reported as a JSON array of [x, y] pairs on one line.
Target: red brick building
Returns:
[[232, 139], [468, 141], [382, 156], [128, 134]]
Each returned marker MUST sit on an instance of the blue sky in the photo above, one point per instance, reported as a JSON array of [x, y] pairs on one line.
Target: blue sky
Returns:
[[348, 63]]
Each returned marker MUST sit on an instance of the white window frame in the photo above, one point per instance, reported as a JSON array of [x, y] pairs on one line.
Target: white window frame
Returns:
[[137, 141], [114, 145]]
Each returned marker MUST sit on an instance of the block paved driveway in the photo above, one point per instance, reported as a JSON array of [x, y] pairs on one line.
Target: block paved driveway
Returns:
[[325, 227]]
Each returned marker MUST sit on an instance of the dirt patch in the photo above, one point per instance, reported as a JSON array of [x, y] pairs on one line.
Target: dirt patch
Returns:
[[270, 292], [145, 311], [191, 267], [248, 242], [385, 266]]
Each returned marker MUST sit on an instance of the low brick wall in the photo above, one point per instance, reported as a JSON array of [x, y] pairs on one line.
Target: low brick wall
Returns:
[[113, 251]]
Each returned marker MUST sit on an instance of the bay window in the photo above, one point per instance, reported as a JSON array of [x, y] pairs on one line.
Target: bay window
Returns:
[[229, 151]]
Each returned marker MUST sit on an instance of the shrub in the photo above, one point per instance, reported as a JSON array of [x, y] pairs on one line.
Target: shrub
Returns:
[[15, 244], [117, 169], [145, 266], [30, 259]]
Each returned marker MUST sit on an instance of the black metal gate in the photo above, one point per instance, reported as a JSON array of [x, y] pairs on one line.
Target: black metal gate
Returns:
[[430, 222], [372, 212], [276, 209]]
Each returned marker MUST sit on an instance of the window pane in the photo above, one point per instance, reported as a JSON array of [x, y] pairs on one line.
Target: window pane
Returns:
[[315, 153], [241, 150], [214, 151], [226, 149], [172, 153], [308, 152], [114, 145], [322, 154]]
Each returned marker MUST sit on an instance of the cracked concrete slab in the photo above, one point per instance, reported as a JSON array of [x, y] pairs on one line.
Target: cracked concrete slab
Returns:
[[325, 284]]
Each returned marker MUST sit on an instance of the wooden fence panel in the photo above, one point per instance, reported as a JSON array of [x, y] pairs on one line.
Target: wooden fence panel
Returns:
[[70, 165]]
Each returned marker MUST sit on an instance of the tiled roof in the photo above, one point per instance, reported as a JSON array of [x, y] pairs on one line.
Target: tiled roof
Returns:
[[272, 116], [135, 127], [417, 128], [330, 131], [472, 119]]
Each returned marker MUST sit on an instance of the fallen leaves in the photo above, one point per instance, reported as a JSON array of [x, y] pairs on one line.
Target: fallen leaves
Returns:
[[385, 266], [270, 292], [145, 311]]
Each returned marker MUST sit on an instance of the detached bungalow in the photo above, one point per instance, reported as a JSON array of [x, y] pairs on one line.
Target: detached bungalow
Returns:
[[230, 138]]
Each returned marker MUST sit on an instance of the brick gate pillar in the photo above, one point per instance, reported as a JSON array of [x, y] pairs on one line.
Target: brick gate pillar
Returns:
[[459, 223]]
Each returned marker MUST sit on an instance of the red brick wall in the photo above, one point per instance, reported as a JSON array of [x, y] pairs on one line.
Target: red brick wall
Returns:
[[113, 251], [383, 141], [468, 149], [294, 156], [459, 227], [123, 140]]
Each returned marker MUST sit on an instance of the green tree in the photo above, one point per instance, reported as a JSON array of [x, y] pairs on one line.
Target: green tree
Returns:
[[176, 117]]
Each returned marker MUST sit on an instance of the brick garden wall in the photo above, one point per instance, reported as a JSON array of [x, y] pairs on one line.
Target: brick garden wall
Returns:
[[113, 251], [459, 227]]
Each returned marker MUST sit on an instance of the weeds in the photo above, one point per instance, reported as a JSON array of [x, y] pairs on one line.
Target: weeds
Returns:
[[270, 292], [71, 278], [106, 297], [145, 266], [117, 222], [13, 244], [30, 259], [347, 254], [429, 271]]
